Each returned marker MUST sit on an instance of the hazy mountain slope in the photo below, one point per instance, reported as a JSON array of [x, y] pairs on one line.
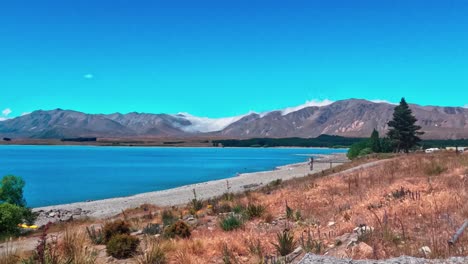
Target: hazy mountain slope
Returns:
[[60, 123], [350, 118]]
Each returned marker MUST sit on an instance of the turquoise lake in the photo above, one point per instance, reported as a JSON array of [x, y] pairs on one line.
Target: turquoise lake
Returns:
[[65, 174]]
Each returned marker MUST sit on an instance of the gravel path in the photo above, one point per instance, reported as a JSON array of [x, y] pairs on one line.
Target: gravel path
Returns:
[[313, 259]]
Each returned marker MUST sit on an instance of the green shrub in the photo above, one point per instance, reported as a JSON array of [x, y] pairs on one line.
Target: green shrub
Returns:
[[29, 216], [365, 151], [96, 236], [178, 229], [230, 223], [10, 216], [286, 242], [117, 227], [122, 246], [152, 229], [238, 209], [355, 149], [254, 211]]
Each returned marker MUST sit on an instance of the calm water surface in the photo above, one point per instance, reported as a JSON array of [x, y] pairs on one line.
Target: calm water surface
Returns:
[[64, 174]]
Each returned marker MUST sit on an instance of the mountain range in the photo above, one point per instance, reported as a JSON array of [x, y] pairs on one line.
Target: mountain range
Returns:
[[349, 118]]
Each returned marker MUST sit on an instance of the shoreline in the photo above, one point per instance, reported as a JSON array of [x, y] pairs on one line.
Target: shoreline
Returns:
[[110, 207]]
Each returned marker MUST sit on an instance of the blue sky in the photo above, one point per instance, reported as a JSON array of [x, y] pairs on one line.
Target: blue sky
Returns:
[[224, 58]]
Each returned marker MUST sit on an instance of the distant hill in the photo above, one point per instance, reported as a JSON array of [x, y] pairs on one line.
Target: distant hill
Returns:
[[348, 118]]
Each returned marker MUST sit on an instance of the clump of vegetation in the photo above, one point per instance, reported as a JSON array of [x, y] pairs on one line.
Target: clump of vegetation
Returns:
[[73, 248], [289, 212], [196, 204], [220, 208], [228, 195], [118, 227], [228, 256], [372, 145], [96, 236], [154, 253], [276, 183], [231, 222], [435, 169], [152, 229], [285, 242], [168, 218], [255, 248], [309, 244], [122, 246], [9, 255], [238, 209], [178, 229], [254, 211], [13, 209]]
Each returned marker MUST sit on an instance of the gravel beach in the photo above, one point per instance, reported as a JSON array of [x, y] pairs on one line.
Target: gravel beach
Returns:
[[182, 195]]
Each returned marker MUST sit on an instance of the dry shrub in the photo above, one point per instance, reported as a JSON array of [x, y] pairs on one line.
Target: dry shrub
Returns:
[[183, 257], [9, 254], [153, 253], [178, 229], [196, 247], [122, 246], [75, 248], [117, 227]]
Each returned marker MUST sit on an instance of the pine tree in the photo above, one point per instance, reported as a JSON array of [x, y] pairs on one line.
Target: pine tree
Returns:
[[403, 129], [375, 142]]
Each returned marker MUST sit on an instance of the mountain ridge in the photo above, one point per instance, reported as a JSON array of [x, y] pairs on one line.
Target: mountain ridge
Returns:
[[349, 118]]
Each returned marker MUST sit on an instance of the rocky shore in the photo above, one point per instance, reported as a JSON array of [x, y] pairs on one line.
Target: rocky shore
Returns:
[[60, 215]]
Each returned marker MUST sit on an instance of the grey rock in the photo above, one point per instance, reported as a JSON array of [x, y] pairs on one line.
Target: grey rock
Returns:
[[77, 211]]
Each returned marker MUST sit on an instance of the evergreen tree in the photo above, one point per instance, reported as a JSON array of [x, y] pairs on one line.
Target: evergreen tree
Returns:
[[403, 129], [375, 142], [386, 145]]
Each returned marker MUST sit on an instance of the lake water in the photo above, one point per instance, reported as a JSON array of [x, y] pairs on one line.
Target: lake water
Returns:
[[65, 174]]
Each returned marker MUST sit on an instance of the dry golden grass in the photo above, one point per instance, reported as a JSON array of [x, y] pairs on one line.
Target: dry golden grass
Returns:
[[9, 255], [411, 200]]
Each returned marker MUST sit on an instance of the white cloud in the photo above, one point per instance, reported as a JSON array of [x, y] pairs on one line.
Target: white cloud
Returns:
[[466, 106], [3, 119], [379, 101], [205, 124], [25, 113], [307, 104], [6, 112], [88, 76]]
